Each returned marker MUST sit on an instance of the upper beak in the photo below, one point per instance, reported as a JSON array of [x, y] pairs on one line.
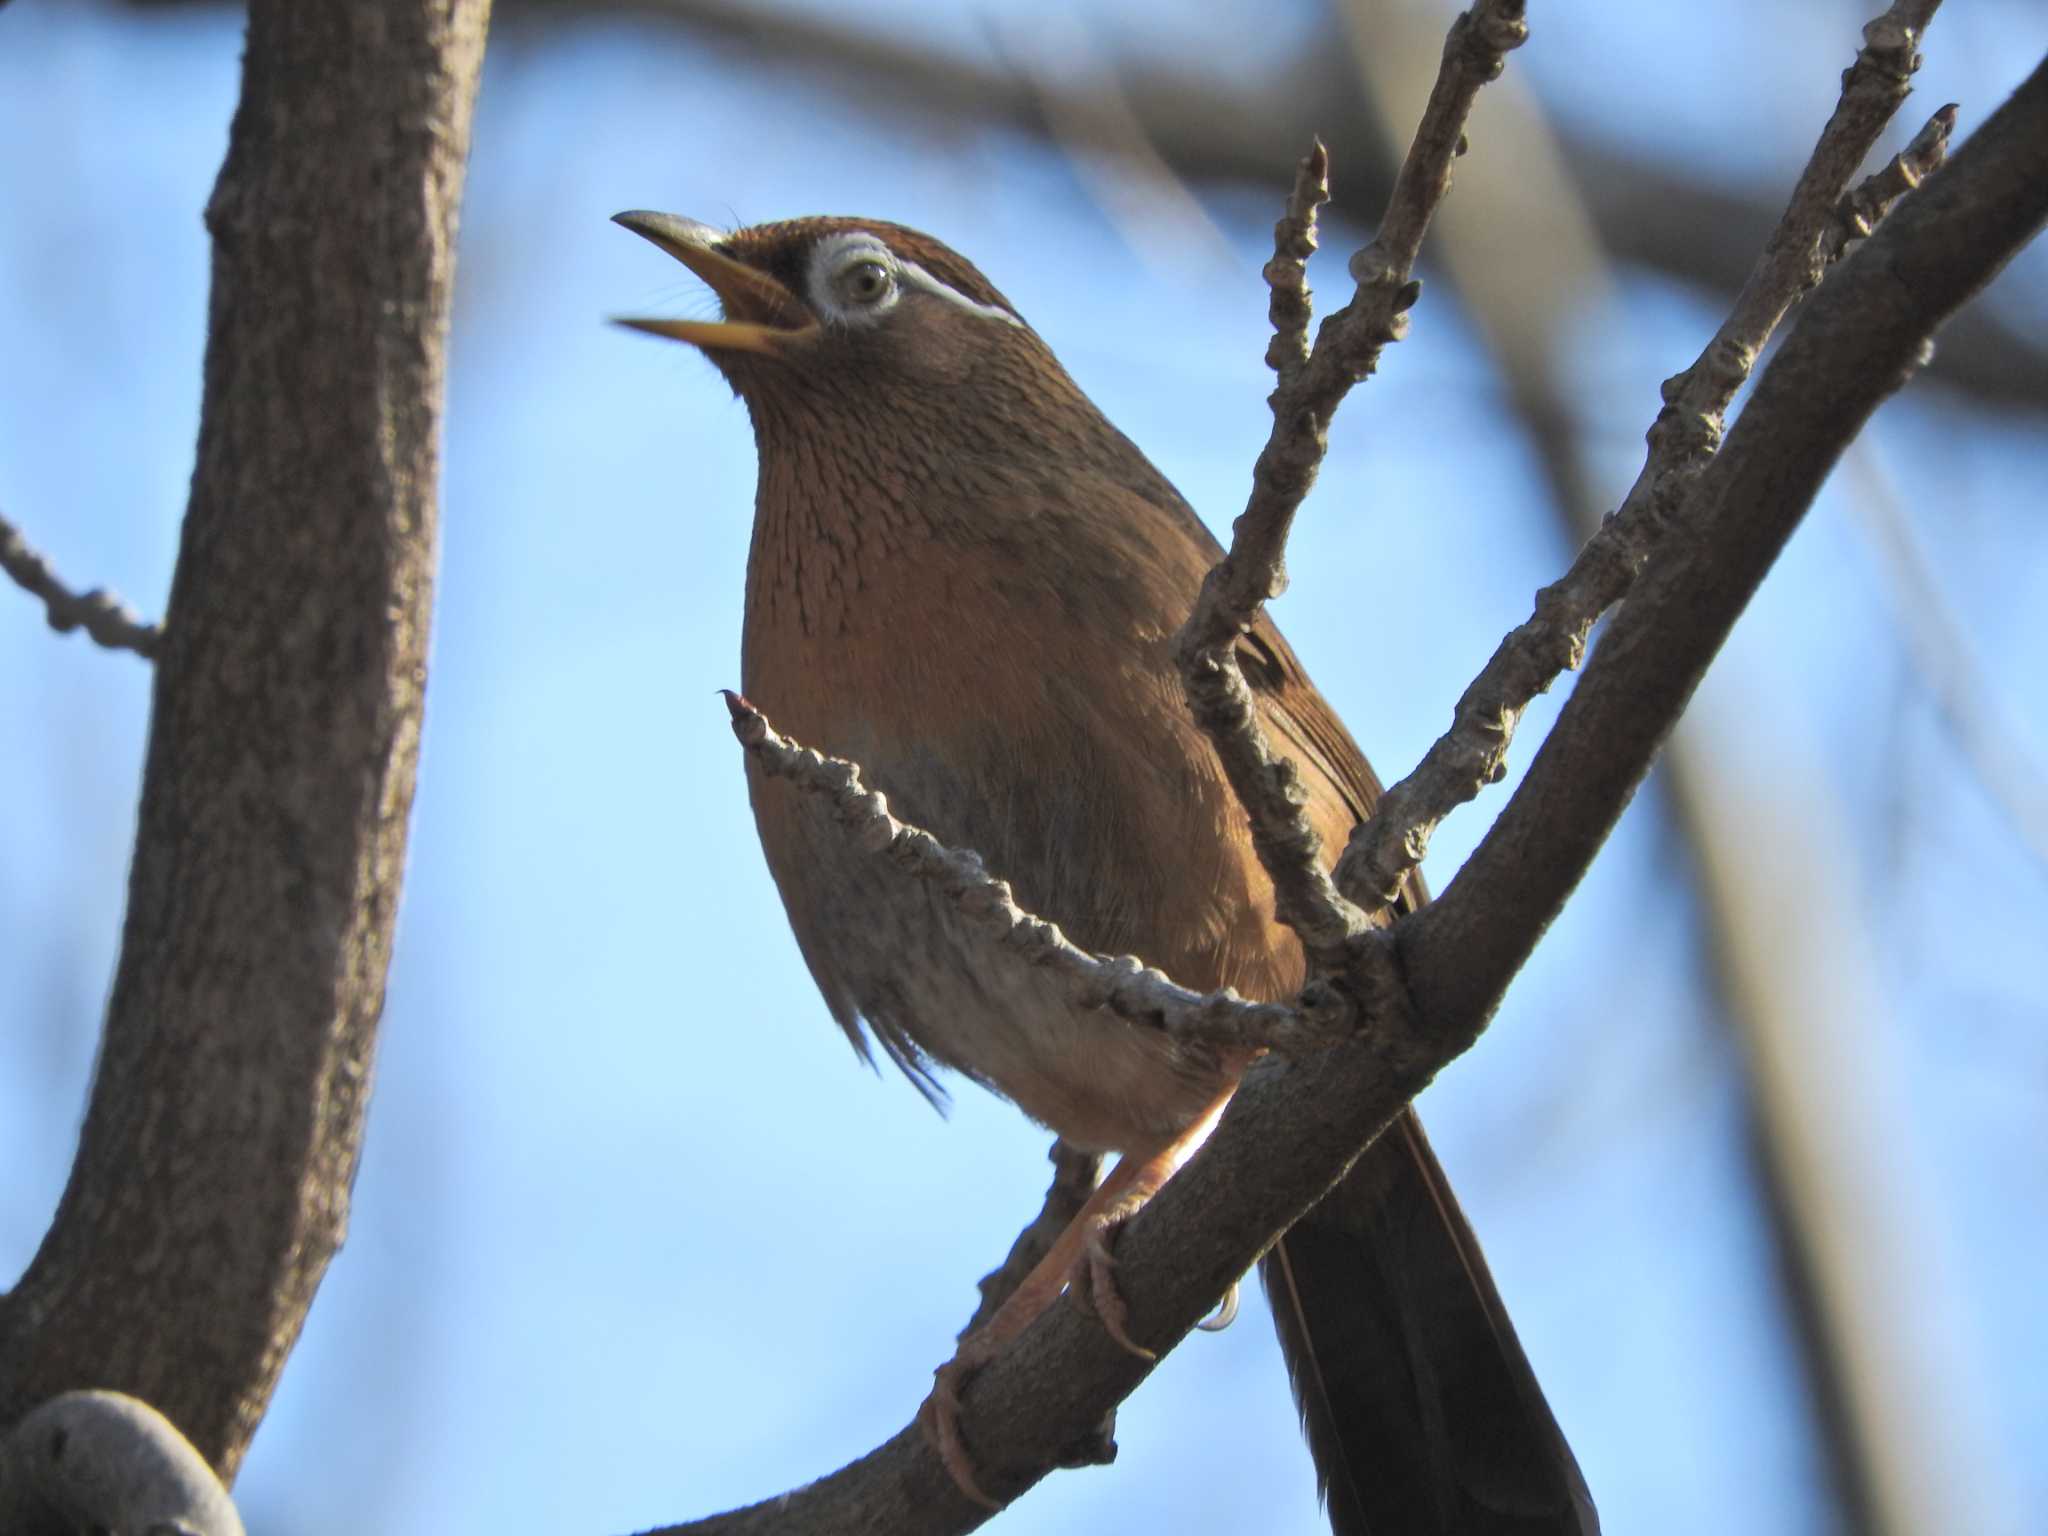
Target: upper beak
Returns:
[[760, 314]]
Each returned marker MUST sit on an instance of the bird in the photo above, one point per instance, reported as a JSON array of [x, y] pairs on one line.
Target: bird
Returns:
[[965, 579]]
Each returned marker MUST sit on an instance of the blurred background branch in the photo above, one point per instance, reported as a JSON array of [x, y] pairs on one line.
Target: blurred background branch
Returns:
[[1218, 125]]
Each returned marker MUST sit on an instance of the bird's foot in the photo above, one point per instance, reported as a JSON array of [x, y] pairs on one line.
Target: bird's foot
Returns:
[[940, 1414], [1093, 1285], [1082, 1265]]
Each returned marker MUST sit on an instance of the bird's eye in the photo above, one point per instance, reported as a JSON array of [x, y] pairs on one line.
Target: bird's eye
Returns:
[[853, 279], [863, 283]]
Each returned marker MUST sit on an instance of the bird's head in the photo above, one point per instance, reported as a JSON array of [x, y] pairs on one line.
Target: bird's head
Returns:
[[842, 324]]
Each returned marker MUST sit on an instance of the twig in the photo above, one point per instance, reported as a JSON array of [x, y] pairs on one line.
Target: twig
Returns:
[[1863, 335], [1473, 752], [1294, 241], [99, 613], [1857, 214], [1123, 984], [1347, 349]]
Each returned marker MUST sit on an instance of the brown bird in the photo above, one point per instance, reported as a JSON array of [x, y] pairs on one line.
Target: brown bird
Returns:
[[967, 581]]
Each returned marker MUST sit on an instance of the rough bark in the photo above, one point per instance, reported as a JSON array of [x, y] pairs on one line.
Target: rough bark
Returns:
[[212, 1180]]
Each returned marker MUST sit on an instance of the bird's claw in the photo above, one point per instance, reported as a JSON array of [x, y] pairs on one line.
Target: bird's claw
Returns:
[[1224, 1315], [1093, 1287], [940, 1416]]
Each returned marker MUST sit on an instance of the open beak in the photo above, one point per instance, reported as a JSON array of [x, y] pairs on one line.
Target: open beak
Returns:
[[760, 314]]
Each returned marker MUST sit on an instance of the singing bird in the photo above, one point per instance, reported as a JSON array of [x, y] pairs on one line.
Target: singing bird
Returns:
[[966, 580]]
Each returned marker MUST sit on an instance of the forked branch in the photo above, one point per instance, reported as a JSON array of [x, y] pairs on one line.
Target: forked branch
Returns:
[[1347, 350]]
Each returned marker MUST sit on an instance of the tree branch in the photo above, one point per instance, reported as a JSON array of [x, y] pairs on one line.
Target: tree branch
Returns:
[[1860, 337], [212, 1178], [1346, 351], [1472, 754], [1859, 212], [102, 615], [1123, 984]]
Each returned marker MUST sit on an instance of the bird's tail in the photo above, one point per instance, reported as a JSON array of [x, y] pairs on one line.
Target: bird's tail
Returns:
[[1421, 1411]]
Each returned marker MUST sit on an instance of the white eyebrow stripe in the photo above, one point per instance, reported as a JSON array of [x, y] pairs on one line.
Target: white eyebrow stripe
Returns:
[[913, 273]]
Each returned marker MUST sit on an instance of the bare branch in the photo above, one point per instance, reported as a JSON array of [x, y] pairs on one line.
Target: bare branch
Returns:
[[1123, 984], [99, 613], [1859, 339], [1858, 213], [1294, 241], [1346, 351], [1473, 753], [1087, 116]]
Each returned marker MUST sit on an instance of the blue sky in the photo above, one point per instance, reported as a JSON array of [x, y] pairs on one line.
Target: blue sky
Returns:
[[635, 1238]]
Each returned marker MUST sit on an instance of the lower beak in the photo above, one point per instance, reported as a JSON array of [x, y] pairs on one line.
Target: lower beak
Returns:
[[760, 314]]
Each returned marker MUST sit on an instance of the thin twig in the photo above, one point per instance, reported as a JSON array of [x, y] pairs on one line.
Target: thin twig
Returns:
[[1859, 339], [1123, 984], [1857, 214], [1347, 349], [99, 612], [1294, 241], [1473, 752]]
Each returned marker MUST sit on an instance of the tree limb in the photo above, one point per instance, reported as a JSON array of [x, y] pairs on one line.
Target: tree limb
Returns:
[[1346, 351], [212, 1178], [1390, 843], [1122, 984], [1858, 339]]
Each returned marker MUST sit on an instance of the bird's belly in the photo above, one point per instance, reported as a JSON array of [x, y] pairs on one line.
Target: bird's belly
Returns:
[[897, 951]]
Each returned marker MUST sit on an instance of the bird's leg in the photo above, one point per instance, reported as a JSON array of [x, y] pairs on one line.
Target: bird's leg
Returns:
[[1075, 1175], [1079, 1258], [1132, 1183]]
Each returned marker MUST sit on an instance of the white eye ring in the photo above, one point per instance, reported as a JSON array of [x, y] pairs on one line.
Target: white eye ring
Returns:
[[854, 279]]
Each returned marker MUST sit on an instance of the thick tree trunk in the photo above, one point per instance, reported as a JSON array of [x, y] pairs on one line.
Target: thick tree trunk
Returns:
[[212, 1180]]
